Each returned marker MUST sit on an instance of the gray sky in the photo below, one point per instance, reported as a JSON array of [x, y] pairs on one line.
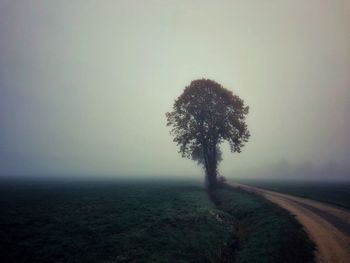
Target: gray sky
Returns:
[[84, 85]]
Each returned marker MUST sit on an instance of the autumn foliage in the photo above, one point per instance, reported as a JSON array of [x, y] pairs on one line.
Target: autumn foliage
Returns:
[[205, 115]]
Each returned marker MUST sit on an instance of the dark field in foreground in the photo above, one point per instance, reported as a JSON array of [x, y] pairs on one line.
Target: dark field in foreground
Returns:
[[336, 193], [143, 222]]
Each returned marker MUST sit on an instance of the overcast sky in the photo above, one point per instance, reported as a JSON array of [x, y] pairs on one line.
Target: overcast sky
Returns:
[[84, 85]]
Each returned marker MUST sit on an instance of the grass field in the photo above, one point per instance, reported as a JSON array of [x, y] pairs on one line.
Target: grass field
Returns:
[[337, 193], [143, 222], [266, 232]]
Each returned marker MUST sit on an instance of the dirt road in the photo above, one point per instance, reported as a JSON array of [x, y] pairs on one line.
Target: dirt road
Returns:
[[327, 225]]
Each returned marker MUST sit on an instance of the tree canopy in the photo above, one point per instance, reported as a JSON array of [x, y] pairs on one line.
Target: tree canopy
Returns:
[[203, 116]]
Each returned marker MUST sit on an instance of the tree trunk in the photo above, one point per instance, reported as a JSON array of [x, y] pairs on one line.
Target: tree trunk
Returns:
[[210, 157], [211, 179]]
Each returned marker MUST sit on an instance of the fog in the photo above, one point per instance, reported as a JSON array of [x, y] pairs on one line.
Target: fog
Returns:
[[84, 85]]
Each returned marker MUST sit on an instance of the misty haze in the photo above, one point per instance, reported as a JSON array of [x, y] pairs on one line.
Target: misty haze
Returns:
[[175, 131]]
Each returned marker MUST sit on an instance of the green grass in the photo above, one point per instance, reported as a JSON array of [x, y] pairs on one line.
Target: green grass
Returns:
[[143, 222], [118, 222], [266, 233], [337, 193]]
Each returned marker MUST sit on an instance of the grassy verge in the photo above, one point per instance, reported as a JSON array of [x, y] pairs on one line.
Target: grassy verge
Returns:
[[266, 233]]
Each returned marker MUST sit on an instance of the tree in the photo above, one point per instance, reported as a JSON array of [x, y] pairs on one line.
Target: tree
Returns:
[[203, 116]]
